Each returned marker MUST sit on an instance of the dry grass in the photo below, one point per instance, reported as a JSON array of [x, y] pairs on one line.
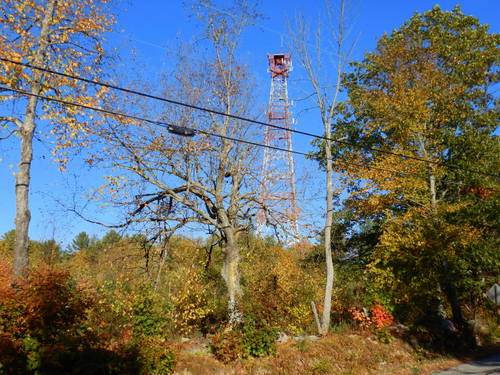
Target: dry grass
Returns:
[[345, 354]]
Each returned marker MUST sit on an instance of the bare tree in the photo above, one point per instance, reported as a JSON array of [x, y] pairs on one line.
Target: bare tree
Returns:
[[196, 182], [312, 55]]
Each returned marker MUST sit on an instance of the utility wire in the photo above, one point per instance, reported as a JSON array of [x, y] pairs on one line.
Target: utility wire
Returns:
[[241, 118], [185, 131]]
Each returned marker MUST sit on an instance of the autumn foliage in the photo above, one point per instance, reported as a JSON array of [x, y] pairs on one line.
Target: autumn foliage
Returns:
[[414, 237], [41, 321], [46, 328], [376, 317]]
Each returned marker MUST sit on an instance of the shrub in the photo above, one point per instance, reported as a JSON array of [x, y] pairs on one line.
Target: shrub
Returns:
[[156, 357], [150, 317], [10, 359], [41, 321], [277, 288], [361, 317], [384, 335], [44, 329], [259, 339], [378, 317], [190, 304], [255, 338], [227, 346], [111, 316]]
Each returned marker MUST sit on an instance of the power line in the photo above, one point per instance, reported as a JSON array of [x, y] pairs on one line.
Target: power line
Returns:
[[186, 131], [241, 118]]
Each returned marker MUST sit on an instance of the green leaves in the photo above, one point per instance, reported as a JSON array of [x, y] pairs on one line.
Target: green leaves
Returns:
[[426, 92]]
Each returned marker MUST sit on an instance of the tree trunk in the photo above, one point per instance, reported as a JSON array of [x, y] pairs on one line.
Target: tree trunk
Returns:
[[456, 310], [327, 303], [316, 317], [450, 290], [230, 273], [27, 130]]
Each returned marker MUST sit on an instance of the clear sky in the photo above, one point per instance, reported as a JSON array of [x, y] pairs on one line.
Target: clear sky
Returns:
[[151, 28]]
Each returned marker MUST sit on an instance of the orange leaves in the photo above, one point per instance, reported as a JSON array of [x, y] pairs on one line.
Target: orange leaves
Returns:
[[377, 317], [5, 278], [44, 307], [380, 317], [361, 317]]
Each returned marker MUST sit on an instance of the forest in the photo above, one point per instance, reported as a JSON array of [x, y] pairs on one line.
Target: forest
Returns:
[[400, 275]]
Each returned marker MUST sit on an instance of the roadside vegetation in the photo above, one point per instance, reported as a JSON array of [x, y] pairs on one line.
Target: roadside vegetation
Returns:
[[102, 307]]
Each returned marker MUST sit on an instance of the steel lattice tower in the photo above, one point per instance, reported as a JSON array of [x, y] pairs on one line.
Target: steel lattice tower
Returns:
[[278, 172]]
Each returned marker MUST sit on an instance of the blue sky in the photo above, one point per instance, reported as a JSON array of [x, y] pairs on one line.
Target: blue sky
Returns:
[[151, 28]]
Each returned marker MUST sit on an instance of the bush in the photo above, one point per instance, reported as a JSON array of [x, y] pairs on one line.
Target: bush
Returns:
[[44, 329], [47, 306], [259, 339], [277, 288], [252, 339], [384, 335], [378, 317], [41, 322], [150, 317], [227, 346], [156, 358]]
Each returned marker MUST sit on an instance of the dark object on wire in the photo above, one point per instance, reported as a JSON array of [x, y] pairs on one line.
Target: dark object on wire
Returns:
[[181, 130]]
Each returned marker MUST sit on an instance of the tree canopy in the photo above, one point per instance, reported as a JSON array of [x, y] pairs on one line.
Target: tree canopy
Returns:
[[426, 93]]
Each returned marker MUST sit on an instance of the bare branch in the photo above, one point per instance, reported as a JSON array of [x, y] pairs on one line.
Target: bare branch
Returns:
[[8, 136], [14, 120]]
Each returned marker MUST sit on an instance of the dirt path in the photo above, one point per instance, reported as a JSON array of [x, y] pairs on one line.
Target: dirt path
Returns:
[[486, 366]]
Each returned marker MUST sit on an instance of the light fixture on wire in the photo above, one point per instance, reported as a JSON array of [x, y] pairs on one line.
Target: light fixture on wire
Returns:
[[181, 130]]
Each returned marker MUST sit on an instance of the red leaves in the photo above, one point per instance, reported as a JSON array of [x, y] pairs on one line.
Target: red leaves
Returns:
[[380, 317], [377, 317]]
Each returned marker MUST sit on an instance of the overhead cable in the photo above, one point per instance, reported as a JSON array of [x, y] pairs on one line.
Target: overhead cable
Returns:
[[241, 118], [187, 131]]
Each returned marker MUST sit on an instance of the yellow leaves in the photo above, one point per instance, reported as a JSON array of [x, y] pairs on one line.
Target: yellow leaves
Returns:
[[112, 187], [274, 277], [101, 93], [62, 163], [75, 31], [190, 304], [6, 97]]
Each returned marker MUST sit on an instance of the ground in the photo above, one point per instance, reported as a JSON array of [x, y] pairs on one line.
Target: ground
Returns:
[[346, 354]]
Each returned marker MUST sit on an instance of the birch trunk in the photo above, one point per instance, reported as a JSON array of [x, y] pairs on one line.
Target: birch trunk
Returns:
[[26, 131], [327, 304]]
